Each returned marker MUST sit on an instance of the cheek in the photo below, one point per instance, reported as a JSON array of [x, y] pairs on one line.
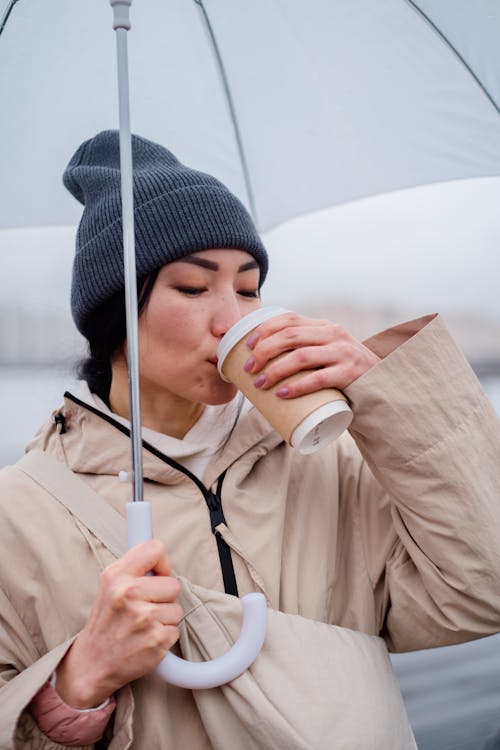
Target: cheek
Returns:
[[169, 328]]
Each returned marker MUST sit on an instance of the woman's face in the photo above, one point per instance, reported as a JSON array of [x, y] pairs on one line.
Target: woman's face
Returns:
[[193, 303]]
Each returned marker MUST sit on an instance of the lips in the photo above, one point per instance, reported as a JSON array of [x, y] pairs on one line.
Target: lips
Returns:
[[213, 360]]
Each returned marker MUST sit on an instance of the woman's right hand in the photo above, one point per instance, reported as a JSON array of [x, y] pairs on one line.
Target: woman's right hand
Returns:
[[132, 625]]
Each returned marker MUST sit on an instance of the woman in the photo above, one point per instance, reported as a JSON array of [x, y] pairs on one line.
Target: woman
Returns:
[[392, 530]]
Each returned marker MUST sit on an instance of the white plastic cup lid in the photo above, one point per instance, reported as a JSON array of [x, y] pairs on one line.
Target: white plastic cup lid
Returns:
[[322, 426], [241, 328]]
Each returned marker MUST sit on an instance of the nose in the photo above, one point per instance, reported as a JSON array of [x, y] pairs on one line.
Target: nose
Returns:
[[226, 314]]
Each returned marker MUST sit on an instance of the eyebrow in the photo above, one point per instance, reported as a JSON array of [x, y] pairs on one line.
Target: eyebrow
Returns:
[[213, 266]]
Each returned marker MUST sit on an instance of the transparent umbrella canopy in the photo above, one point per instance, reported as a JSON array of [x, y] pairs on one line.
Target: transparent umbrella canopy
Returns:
[[295, 106]]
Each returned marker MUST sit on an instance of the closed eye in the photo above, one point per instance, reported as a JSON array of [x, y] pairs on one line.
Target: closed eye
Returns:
[[249, 293], [191, 291]]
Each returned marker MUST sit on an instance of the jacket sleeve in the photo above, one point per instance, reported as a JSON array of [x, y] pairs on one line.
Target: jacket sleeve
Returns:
[[22, 674], [430, 489], [18, 685]]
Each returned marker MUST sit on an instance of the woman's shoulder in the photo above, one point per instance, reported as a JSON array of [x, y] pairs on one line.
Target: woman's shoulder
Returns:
[[20, 496], [13, 479], [24, 501]]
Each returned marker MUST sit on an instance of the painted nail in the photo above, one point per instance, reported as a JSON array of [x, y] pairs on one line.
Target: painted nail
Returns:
[[260, 381], [252, 340], [249, 364], [283, 391]]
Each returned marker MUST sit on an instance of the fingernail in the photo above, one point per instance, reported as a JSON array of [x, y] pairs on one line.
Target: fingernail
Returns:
[[283, 391], [249, 364], [252, 340], [260, 381]]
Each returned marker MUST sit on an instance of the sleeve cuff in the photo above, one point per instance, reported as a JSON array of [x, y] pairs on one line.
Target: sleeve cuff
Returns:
[[105, 703], [66, 725], [417, 396]]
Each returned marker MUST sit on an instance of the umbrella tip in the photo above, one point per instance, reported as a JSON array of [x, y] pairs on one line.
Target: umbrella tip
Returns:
[[121, 19]]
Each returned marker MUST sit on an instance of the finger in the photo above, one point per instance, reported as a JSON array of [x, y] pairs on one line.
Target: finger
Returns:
[[156, 588], [328, 377], [268, 328], [343, 364], [169, 614], [171, 635], [288, 365], [290, 338], [160, 640], [142, 558], [350, 358], [162, 566], [291, 366]]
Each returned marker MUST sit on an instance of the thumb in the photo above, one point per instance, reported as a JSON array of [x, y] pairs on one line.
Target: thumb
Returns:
[[143, 558]]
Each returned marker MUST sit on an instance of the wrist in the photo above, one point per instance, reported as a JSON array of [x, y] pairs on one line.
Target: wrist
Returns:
[[79, 688]]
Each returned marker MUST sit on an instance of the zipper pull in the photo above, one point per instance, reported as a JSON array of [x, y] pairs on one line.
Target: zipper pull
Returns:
[[60, 422], [215, 508]]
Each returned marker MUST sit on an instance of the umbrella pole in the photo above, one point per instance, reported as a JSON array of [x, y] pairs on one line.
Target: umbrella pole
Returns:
[[121, 24], [139, 527]]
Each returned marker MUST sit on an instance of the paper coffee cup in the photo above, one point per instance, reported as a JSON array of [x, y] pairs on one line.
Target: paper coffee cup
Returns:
[[306, 422]]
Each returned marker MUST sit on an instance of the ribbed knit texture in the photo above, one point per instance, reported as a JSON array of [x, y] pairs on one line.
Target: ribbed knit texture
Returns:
[[177, 211]]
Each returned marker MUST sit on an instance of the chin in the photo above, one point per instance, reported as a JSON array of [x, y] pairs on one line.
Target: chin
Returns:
[[222, 394]]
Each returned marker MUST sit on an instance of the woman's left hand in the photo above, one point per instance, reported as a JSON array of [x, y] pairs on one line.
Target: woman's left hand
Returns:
[[329, 355]]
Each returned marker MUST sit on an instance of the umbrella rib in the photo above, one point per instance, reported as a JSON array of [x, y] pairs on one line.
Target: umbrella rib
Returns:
[[455, 51], [6, 14], [232, 108]]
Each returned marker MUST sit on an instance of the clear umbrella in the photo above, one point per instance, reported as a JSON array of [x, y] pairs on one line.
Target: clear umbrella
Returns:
[[300, 105]]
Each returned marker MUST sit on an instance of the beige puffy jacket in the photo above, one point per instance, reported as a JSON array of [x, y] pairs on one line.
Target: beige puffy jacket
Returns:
[[394, 530]]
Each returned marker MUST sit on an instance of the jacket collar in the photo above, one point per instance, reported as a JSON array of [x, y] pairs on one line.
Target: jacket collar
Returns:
[[94, 443]]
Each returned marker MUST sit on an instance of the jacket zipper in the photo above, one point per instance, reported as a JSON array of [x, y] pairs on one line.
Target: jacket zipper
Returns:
[[213, 500]]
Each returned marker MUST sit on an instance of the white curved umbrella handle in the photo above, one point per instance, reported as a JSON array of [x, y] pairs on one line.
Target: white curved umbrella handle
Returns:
[[208, 674]]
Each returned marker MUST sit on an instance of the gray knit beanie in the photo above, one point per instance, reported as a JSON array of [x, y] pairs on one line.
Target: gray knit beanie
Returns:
[[177, 211]]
